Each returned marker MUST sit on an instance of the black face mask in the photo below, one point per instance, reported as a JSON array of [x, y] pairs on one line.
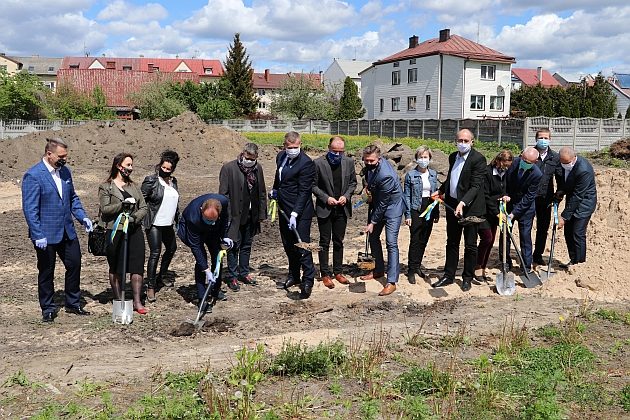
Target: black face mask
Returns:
[[369, 167], [163, 173], [60, 163], [126, 172]]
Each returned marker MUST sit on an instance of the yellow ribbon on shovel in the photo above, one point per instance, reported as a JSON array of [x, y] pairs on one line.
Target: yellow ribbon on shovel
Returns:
[[427, 212], [272, 211]]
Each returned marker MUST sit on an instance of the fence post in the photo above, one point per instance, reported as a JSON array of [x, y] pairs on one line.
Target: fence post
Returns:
[[358, 128], [407, 128], [394, 129], [599, 136], [380, 128], [422, 129], [525, 133], [478, 130], [500, 131], [1, 130], [458, 121], [369, 128], [574, 132], [623, 128], [439, 130]]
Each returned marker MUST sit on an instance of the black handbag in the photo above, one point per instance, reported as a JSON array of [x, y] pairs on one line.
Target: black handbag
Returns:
[[98, 241]]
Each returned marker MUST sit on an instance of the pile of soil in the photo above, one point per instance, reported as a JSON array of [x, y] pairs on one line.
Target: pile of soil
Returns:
[[621, 149]]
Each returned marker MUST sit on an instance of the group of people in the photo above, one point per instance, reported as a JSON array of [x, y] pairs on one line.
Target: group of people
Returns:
[[528, 184]]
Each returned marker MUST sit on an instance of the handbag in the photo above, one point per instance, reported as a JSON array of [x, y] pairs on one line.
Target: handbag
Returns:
[[98, 241]]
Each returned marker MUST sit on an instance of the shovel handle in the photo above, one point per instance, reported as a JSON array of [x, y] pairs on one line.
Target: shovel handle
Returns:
[[294, 230]]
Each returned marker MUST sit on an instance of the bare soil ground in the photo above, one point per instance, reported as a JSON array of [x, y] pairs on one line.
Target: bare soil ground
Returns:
[[75, 348]]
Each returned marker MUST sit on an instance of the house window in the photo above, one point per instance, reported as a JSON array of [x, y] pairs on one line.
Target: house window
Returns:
[[477, 102], [496, 103], [127, 68], [51, 68], [396, 64], [74, 66], [395, 104], [50, 85], [31, 69], [207, 70], [412, 61], [412, 75], [487, 72], [427, 102], [111, 65], [262, 105], [411, 103], [261, 92], [396, 77], [382, 105]]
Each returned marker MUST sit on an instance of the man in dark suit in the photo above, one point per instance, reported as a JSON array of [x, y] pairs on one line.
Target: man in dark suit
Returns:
[[581, 200], [463, 191], [385, 212], [522, 179], [49, 201], [243, 182], [335, 182], [205, 223], [293, 188], [549, 164]]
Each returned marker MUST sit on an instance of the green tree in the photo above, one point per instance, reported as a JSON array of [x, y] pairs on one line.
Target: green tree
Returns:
[[350, 105], [628, 113], [238, 73], [21, 96], [208, 100], [156, 102], [302, 97], [67, 103]]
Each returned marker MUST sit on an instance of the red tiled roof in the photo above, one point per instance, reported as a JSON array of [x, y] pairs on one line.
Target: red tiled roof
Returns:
[[165, 65], [529, 77], [456, 46], [117, 84], [275, 80]]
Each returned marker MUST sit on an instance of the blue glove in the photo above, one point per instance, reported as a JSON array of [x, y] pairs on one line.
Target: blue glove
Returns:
[[273, 194], [227, 243], [88, 225], [41, 243], [210, 280], [293, 222]]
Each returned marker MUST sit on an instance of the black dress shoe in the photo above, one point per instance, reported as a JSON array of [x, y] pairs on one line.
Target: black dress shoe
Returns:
[[77, 310], [444, 281], [466, 285], [539, 261], [411, 276], [565, 266], [305, 293], [290, 282], [48, 317]]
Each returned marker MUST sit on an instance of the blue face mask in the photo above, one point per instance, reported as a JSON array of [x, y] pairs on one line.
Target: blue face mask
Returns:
[[524, 165], [334, 158], [209, 222], [542, 143]]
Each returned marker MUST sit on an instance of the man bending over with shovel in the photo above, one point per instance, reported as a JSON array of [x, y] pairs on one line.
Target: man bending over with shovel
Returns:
[[204, 224]]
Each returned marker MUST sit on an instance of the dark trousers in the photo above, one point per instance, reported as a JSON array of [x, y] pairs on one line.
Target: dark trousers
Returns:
[[419, 233], [298, 258], [238, 256], [156, 236], [543, 220], [332, 226], [486, 242], [525, 239], [575, 237], [453, 238], [69, 252], [200, 276]]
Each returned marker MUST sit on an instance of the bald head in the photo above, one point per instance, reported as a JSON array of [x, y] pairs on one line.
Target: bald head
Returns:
[[530, 155], [337, 144], [567, 154], [465, 133]]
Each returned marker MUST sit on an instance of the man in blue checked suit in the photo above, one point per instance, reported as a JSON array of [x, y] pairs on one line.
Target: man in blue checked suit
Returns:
[[49, 202]]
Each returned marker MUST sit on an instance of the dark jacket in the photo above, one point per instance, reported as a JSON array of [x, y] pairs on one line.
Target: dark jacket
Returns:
[[153, 192], [412, 192], [470, 185], [323, 188], [580, 191], [384, 187], [522, 191], [196, 234], [295, 187], [110, 200], [232, 185], [494, 188], [550, 168]]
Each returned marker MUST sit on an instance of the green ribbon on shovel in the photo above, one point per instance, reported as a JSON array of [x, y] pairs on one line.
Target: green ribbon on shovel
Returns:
[[117, 222]]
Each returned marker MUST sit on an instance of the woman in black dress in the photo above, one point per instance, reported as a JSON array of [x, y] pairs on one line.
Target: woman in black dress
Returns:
[[119, 194]]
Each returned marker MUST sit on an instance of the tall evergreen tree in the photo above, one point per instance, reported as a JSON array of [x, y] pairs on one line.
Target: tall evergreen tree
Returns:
[[350, 106], [239, 72]]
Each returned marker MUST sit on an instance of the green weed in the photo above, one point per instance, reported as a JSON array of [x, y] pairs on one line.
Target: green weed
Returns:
[[89, 388], [549, 331], [19, 378], [544, 407], [168, 406], [625, 397], [613, 316], [512, 341], [425, 381], [370, 409], [335, 388], [366, 355], [457, 339], [299, 359], [414, 408]]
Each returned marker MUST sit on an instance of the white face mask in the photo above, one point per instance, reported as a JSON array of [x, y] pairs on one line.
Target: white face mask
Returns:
[[423, 162], [463, 147], [293, 153], [568, 166], [248, 163]]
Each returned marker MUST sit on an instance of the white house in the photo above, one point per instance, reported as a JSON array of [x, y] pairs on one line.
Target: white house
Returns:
[[446, 77], [335, 75], [620, 85]]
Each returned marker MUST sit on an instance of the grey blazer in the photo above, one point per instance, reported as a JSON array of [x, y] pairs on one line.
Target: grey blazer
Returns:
[[323, 187]]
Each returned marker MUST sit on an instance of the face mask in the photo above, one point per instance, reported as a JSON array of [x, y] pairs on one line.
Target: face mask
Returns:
[[463, 147], [60, 163], [125, 172], [568, 166], [334, 158], [542, 143], [524, 165], [163, 173], [208, 221], [369, 166], [293, 153], [248, 163], [423, 162]]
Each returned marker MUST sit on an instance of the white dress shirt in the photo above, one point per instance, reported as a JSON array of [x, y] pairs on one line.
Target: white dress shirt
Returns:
[[456, 172], [54, 172]]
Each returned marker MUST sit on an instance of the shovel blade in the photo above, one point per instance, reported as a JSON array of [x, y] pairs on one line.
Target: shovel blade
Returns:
[[531, 280], [308, 246], [506, 286], [122, 312], [546, 275]]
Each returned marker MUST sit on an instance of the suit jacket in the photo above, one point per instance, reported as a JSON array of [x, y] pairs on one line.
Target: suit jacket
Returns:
[[324, 188], [470, 185], [47, 214], [384, 187], [494, 189], [522, 191], [153, 192], [232, 185], [295, 186], [580, 191], [196, 234], [550, 168]]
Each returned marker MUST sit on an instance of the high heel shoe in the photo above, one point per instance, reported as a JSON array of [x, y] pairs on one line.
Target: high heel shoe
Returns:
[[141, 311]]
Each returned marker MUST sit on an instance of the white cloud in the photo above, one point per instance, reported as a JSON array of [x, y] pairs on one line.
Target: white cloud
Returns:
[[458, 7], [126, 12]]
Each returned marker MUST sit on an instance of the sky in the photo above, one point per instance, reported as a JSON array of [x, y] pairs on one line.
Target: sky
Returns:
[[571, 37]]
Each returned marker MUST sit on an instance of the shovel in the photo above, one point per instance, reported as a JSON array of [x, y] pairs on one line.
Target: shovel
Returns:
[[545, 275], [365, 260], [529, 279], [464, 221], [307, 246], [122, 310], [506, 286]]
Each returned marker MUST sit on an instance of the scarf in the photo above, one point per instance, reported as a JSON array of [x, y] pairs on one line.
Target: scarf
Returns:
[[250, 173]]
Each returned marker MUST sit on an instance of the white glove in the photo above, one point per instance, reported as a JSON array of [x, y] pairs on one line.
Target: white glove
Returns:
[[129, 200], [227, 243], [88, 225], [41, 243], [293, 222], [210, 280]]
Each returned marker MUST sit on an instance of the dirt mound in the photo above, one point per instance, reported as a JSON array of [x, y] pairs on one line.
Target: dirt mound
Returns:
[[95, 143], [621, 149]]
